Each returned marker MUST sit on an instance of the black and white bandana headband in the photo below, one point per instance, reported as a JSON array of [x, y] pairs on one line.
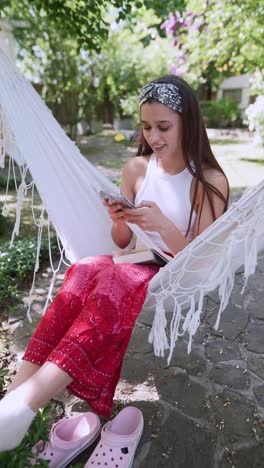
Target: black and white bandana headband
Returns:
[[165, 93]]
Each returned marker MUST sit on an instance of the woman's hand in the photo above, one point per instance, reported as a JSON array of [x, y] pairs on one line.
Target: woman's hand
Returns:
[[148, 216], [115, 212], [121, 232]]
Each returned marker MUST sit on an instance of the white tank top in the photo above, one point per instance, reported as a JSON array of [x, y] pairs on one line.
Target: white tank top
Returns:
[[172, 194]]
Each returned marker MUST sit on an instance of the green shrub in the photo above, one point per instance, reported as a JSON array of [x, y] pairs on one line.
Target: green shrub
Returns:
[[3, 373], [220, 114], [17, 264], [22, 456], [5, 225], [11, 185]]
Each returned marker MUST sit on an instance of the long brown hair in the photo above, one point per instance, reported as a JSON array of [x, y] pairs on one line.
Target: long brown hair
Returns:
[[195, 144]]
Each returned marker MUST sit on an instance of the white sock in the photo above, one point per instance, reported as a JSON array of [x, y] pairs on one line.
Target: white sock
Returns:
[[15, 419]]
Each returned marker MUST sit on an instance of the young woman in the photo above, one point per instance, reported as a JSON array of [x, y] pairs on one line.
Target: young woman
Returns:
[[179, 189]]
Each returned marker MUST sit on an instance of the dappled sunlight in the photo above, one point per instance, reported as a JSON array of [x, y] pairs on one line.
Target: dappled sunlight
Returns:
[[142, 391]]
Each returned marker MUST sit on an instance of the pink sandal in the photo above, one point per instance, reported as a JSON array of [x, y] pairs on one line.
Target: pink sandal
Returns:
[[119, 441], [68, 438]]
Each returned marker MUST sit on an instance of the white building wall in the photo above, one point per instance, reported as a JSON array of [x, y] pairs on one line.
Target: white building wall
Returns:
[[242, 83]]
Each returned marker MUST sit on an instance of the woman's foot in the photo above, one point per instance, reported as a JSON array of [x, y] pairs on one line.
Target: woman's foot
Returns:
[[15, 419]]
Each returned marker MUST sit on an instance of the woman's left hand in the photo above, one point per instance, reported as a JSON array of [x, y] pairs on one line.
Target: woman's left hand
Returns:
[[148, 216]]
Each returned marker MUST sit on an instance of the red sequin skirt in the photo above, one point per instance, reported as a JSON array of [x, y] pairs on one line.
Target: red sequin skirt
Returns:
[[86, 329]]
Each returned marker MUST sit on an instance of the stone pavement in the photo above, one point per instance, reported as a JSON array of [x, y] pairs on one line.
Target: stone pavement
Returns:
[[204, 410]]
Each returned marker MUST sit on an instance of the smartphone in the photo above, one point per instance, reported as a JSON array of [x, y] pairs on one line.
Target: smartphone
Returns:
[[114, 198]]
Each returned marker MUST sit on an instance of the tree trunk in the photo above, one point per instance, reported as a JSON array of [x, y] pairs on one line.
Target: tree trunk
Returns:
[[108, 108], [108, 112]]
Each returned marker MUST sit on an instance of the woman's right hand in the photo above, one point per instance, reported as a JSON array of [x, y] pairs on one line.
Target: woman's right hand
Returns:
[[115, 212]]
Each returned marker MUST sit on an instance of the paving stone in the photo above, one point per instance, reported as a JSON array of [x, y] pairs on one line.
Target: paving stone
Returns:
[[230, 376], [80, 406], [139, 341], [234, 417], [146, 316], [247, 457], [183, 393], [255, 337], [193, 363], [259, 392], [175, 441], [234, 320], [256, 281], [256, 365], [213, 297], [139, 368], [236, 297], [260, 264], [24, 332], [201, 334], [222, 350], [256, 306]]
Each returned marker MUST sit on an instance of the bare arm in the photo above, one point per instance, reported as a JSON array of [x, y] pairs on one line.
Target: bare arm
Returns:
[[121, 233], [150, 217]]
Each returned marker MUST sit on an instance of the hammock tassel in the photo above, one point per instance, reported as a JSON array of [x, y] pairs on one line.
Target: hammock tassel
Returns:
[[250, 256], [21, 194], [157, 334], [2, 140], [40, 229], [174, 329]]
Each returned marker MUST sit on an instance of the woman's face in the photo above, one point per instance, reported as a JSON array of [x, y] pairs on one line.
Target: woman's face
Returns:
[[162, 129]]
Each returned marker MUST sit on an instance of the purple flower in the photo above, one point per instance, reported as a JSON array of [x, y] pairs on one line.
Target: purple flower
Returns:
[[173, 69], [196, 24], [182, 60]]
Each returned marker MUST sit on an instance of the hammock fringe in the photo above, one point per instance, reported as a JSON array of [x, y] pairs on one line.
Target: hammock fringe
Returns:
[[241, 247]]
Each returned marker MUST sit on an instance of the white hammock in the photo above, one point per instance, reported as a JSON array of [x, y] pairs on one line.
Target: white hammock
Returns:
[[31, 136]]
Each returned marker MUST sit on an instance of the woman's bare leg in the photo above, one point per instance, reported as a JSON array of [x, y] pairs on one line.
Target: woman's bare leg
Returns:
[[19, 407], [44, 384], [25, 371]]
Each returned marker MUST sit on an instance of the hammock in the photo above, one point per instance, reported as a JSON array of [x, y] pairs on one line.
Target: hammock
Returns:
[[65, 180]]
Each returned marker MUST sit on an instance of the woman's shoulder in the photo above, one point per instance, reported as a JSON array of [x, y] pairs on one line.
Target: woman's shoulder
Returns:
[[216, 178], [136, 166]]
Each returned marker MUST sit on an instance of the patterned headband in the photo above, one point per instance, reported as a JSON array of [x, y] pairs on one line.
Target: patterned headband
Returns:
[[165, 93]]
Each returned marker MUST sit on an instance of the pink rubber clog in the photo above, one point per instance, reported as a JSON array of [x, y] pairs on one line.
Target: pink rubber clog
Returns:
[[119, 441], [68, 438]]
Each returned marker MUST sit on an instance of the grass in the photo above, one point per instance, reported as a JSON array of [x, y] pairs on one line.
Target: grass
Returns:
[[226, 141], [117, 164], [90, 150], [125, 143], [253, 160], [11, 185]]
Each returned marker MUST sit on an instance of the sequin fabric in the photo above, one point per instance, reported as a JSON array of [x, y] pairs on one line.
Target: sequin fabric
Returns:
[[86, 329], [165, 93]]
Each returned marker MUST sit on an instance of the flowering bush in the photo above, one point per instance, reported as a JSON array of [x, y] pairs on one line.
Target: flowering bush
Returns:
[[255, 119]]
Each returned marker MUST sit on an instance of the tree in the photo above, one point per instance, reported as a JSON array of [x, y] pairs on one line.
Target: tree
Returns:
[[127, 61], [86, 21], [59, 42], [214, 39], [83, 20]]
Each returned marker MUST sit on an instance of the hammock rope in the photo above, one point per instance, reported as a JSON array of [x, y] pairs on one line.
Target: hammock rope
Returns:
[[65, 180]]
